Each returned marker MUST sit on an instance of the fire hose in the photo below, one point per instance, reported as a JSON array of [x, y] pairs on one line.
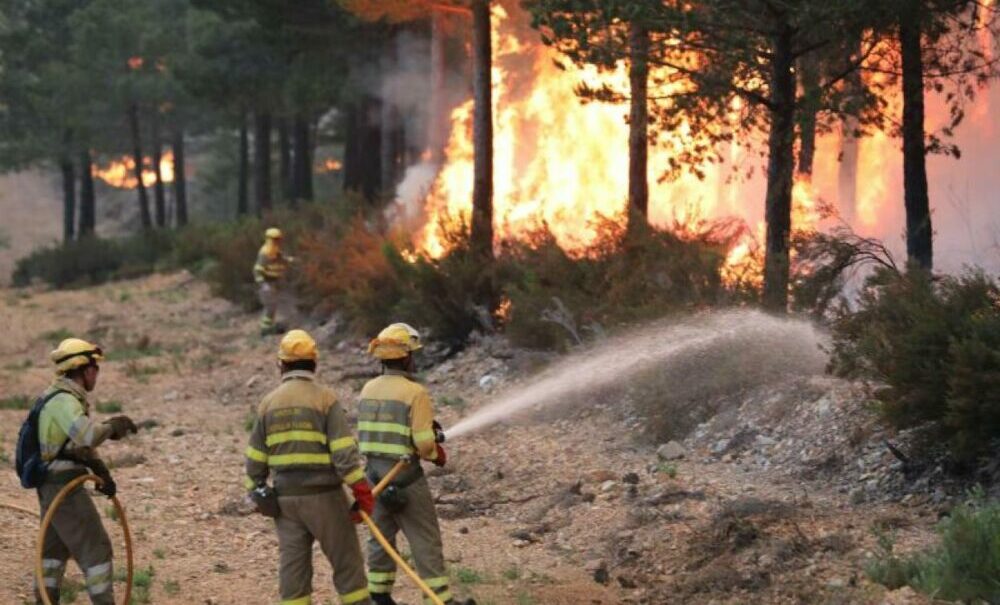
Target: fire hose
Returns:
[[395, 470], [47, 521]]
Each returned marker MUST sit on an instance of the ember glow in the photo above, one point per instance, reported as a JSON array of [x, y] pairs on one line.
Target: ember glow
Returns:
[[564, 163], [120, 172]]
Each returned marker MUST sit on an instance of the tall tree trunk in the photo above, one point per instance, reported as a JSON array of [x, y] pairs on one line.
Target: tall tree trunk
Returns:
[[302, 168], [242, 194], [288, 191], [351, 170], [807, 127], [389, 121], [780, 165], [262, 161], [362, 172], [88, 199], [69, 188], [847, 173], [638, 142], [436, 132], [159, 193], [482, 131], [133, 119], [180, 177], [919, 234]]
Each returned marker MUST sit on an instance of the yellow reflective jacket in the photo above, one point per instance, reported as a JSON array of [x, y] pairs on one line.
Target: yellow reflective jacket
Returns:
[[301, 439], [395, 418], [67, 417], [271, 264]]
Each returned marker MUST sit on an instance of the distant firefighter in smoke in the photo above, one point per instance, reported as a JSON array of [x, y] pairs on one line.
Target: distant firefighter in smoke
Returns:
[[269, 273]]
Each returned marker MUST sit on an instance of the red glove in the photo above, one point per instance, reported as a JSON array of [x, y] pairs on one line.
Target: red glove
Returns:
[[442, 458], [363, 500]]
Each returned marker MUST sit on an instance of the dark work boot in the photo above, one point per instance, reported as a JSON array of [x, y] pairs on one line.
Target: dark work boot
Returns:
[[382, 599]]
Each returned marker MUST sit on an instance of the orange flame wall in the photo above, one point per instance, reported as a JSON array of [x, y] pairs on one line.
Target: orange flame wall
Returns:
[[120, 172], [565, 163]]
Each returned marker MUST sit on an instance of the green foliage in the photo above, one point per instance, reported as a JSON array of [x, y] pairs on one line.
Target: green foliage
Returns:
[[935, 345], [69, 590], [109, 407], [964, 567], [171, 587], [15, 402], [92, 260], [466, 575]]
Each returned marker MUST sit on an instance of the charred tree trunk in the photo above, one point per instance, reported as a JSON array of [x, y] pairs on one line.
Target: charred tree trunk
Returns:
[[780, 165], [807, 126], [159, 193], [242, 194], [88, 199], [389, 118], [362, 172], [180, 177], [288, 191], [436, 132], [302, 168], [482, 132], [847, 173], [638, 142], [69, 188], [262, 161], [140, 187], [919, 234]]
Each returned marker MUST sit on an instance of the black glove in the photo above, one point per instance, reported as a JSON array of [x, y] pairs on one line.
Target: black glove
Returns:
[[107, 486], [121, 426], [438, 431]]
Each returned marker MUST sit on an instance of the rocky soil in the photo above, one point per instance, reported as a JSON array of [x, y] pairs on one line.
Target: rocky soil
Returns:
[[774, 499]]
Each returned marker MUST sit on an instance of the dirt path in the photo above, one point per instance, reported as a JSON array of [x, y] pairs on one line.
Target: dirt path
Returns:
[[531, 514]]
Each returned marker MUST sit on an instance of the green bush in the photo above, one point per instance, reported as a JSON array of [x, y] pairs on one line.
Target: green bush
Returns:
[[964, 567], [934, 343]]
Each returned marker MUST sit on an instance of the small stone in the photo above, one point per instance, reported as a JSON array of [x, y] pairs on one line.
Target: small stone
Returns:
[[171, 396], [720, 446], [607, 486], [252, 381], [836, 583], [765, 441], [487, 382], [521, 543], [671, 450], [463, 530], [177, 432]]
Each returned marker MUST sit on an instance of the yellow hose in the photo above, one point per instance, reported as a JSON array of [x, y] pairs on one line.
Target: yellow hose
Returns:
[[47, 520], [395, 470], [398, 559], [19, 509]]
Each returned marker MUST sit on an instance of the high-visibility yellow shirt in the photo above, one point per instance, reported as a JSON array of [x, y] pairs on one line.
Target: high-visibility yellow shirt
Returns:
[[395, 418], [301, 438], [271, 264], [66, 417]]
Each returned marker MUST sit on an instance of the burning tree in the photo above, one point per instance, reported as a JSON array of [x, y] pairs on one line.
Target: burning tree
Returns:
[[722, 68]]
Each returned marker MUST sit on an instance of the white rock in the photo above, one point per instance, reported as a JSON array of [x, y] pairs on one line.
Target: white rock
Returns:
[[671, 450]]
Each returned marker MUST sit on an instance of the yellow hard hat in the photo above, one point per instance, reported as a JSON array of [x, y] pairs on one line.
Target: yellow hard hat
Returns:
[[273, 233], [74, 353], [395, 342], [297, 345]]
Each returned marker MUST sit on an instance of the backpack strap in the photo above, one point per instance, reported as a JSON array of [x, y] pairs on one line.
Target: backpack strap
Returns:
[[37, 413]]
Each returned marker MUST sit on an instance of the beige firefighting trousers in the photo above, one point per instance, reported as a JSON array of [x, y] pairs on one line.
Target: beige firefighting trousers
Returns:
[[419, 523], [77, 532], [325, 518]]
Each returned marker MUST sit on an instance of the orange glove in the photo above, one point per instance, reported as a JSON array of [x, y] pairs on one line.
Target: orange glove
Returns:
[[363, 500], [442, 457]]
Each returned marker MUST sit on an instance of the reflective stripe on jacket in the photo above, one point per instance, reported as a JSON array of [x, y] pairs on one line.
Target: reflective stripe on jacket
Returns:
[[67, 417], [301, 437], [270, 265], [395, 417]]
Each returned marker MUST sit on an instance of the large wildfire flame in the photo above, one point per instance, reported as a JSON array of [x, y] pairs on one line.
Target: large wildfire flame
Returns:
[[120, 172], [564, 163]]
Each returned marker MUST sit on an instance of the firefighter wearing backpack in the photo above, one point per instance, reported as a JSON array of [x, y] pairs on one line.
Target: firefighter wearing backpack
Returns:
[[66, 440]]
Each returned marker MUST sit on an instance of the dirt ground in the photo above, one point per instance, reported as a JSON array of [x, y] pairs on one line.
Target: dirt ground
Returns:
[[565, 510]]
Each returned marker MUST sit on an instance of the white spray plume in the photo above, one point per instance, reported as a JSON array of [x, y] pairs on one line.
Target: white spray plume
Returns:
[[787, 345]]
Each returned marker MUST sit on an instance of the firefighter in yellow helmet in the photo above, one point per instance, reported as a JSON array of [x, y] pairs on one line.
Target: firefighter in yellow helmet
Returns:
[[302, 442], [396, 421], [67, 438], [269, 274]]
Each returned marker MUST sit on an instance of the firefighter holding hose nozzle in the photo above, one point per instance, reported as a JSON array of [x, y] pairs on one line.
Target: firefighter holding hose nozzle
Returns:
[[396, 421], [55, 446]]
